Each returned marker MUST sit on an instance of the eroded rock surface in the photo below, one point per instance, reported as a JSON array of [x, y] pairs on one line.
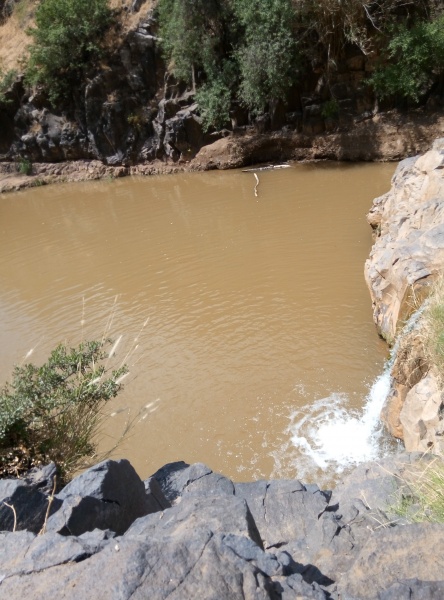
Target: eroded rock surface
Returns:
[[409, 248], [407, 256], [201, 536]]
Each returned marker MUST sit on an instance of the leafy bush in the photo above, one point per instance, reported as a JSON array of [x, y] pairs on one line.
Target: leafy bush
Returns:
[[214, 99], [417, 56], [67, 40], [193, 34], [24, 166], [240, 49], [330, 109], [6, 81], [52, 412], [267, 54]]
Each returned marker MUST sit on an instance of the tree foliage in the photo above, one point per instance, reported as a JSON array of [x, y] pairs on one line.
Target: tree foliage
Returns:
[[242, 49], [6, 81], [416, 56], [267, 53], [51, 412], [66, 41], [193, 35]]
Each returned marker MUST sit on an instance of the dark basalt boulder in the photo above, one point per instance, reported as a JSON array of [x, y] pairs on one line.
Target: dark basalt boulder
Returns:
[[178, 479], [24, 502], [188, 533], [108, 496]]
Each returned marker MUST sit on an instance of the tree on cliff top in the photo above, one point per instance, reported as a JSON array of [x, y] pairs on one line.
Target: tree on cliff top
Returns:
[[416, 59], [243, 49], [67, 38]]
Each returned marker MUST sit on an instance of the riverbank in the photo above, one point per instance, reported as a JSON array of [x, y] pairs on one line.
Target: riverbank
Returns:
[[187, 532], [387, 136]]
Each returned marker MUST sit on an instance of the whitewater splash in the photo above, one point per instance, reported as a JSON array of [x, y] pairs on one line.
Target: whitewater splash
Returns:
[[327, 437], [332, 435]]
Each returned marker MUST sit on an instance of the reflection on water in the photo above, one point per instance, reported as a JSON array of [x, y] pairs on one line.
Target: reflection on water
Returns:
[[254, 308]]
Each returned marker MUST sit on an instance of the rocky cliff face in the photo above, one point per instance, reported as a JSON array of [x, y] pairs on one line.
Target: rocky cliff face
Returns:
[[188, 533], [407, 256], [133, 113]]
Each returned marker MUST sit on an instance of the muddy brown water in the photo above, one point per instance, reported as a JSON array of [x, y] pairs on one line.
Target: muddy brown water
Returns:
[[252, 305]]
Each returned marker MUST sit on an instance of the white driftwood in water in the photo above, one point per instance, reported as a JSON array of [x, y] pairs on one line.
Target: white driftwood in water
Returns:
[[268, 168], [257, 183]]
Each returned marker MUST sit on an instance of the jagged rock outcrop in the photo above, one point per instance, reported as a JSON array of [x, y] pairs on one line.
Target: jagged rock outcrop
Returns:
[[407, 256], [408, 223], [188, 532]]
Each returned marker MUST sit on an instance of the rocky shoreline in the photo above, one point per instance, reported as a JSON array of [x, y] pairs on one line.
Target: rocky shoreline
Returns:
[[187, 532], [382, 137]]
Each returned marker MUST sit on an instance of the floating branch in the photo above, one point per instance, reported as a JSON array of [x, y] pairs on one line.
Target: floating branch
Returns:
[[257, 183], [267, 168]]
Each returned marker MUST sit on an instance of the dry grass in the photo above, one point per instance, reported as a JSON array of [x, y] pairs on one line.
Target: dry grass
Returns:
[[14, 41], [431, 330], [13, 38], [421, 493]]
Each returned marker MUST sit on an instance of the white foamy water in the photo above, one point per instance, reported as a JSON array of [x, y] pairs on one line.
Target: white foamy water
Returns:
[[329, 436]]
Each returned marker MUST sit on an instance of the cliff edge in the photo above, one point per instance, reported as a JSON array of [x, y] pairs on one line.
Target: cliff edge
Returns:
[[188, 533]]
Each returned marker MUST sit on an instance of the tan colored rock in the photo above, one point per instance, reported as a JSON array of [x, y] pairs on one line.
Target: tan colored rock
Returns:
[[409, 247], [420, 417], [390, 414]]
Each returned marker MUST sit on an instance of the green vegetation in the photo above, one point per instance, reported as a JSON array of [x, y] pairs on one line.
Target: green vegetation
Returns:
[[255, 52], [252, 53], [6, 81], [66, 42], [330, 109], [24, 166], [416, 56], [240, 49], [53, 412], [266, 54]]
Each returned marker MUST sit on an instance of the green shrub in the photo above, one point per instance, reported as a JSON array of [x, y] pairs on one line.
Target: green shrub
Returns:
[[6, 81], [214, 99], [193, 34], [266, 54], [416, 57], [66, 42], [52, 412], [240, 49], [24, 166], [330, 109]]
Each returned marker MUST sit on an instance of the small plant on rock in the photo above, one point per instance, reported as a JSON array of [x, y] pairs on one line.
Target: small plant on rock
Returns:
[[24, 166], [52, 412], [6, 81]]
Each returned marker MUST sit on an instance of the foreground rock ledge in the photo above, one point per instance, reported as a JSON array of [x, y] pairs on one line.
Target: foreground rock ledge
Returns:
[[189, 533]]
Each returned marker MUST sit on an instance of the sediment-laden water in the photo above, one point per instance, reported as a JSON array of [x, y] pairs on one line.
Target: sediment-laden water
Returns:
[[247, 320]]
